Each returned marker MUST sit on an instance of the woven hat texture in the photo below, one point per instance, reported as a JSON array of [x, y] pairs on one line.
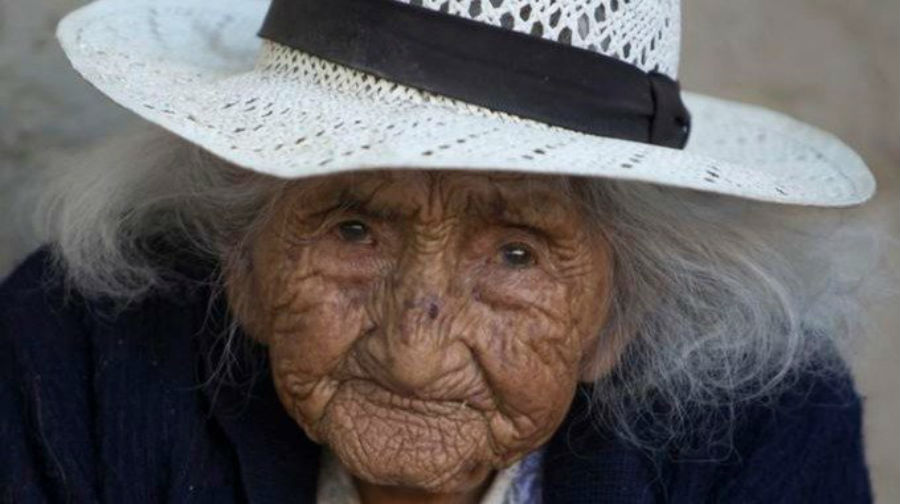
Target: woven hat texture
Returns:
[[197, 68]]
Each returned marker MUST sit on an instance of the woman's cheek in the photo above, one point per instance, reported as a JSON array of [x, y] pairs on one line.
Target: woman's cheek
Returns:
[[525, 290], [321, 289], [528, 332], [520, 344]]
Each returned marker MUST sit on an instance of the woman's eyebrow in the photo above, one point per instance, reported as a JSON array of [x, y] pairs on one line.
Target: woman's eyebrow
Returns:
[[348, 200], [332, 202], [512, 218], [528, 212], [530, 227]]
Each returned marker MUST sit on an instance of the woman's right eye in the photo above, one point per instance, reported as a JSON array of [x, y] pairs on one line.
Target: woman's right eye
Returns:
[[354, 231], [517, 255]]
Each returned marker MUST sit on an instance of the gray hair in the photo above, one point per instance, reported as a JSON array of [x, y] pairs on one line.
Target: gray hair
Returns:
[[722, 300]]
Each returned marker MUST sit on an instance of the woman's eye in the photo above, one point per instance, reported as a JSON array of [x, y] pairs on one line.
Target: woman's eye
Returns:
[[353, 231], [517, 255]]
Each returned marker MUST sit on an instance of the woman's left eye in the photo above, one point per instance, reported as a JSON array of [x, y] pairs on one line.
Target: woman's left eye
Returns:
[[354, 231], [517, 255]]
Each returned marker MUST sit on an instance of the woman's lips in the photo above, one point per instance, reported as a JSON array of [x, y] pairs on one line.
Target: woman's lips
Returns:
[[384, 397]]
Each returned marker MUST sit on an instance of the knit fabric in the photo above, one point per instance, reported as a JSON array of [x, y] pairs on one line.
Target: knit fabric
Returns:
[[98, 405]]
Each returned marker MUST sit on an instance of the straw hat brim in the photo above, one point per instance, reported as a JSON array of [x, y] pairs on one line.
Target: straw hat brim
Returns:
[[197, 69]]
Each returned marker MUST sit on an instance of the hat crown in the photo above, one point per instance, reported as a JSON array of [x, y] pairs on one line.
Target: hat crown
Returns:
[[644, 33]]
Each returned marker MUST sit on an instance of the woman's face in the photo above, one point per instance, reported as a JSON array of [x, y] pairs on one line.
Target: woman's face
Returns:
[[429, 327]]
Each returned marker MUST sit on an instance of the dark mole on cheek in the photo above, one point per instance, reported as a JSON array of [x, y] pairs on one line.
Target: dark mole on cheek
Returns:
[[433, 311]]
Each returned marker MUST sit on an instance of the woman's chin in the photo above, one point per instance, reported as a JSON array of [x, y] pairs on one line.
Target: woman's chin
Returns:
[[458, 480], [447, 474]]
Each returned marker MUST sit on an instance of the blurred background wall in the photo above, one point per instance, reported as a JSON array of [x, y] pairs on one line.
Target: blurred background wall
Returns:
[[833, 63]]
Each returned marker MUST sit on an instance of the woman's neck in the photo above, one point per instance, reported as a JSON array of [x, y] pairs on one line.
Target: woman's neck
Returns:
[[377, 494]]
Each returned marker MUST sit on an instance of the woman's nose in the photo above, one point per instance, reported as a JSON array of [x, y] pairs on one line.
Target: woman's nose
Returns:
[[414, 333], [420, 282], [411, 344]]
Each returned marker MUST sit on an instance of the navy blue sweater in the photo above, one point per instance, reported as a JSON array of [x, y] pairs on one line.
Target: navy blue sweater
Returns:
[[111, 406]]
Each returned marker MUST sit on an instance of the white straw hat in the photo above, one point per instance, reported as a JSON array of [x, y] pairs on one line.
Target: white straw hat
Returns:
[[199, 69]]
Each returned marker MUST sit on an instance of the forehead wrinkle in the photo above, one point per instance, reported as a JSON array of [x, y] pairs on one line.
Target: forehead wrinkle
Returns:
[[426, 196], [433, 195], [511, 198]]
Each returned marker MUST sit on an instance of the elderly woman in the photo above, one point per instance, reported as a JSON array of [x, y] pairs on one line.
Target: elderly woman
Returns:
[[428, 252]]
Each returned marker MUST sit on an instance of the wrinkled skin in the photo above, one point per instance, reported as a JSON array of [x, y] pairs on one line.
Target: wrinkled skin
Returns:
[[429, 327]]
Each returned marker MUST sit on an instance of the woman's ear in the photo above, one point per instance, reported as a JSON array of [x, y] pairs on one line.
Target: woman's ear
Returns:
[[602, 356]]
